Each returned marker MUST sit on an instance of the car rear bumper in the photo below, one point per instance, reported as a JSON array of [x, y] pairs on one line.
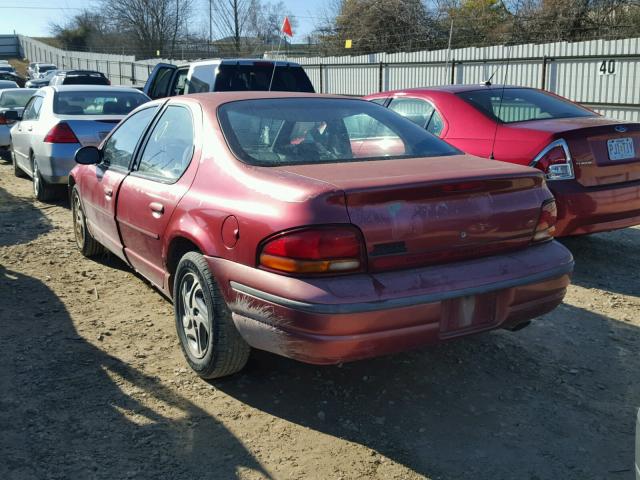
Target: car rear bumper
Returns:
[[332, 320], [584, 210], [56, 161]]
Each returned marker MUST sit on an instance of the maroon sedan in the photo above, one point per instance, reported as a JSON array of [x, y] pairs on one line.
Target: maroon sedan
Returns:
[[592, 163], [321, 228]]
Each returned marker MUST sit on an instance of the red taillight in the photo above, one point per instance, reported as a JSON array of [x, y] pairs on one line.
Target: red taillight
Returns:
[[61, 133], [547, 221], [555, 161], [314, 250]]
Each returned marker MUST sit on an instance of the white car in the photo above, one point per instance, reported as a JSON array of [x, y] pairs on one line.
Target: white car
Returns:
[[11, 99], [59, 120]]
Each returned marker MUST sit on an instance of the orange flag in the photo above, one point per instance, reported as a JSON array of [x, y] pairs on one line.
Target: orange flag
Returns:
[[286, 27]]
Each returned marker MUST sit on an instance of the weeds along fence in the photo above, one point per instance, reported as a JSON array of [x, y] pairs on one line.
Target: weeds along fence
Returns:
[[603, 75]]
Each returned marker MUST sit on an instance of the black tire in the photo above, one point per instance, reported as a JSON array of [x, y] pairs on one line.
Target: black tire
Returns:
[[87, 245], [17, 171], [43, 191], [221, 351]]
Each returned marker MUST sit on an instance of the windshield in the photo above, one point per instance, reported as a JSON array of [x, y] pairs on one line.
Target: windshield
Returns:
[[6, 68], [15, 98], [46, 68], [522, 105], [292, 131], [97, 103]]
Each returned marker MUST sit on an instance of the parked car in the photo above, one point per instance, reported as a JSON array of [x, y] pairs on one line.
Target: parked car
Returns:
[[8, 84], [41, 82], [79, 77], [11, 99], [39, 69], [13, 77], [225, 76], [324, 229], [59, 120], [592, 163], [7, 68]]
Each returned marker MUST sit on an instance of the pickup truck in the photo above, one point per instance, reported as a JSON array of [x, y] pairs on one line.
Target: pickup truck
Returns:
[[226, 75]]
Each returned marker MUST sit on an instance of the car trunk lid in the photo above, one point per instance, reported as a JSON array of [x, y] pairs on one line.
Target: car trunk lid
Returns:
[[421, 211], [91, 132], [604, 151]]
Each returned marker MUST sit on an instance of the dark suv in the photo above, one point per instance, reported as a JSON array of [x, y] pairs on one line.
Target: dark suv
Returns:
[[79, 77], [226, 75]]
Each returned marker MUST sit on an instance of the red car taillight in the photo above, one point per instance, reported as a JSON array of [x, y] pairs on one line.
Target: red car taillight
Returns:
[[547, 222], [3, 120], [61, 133], [555, 161], [314, 250]]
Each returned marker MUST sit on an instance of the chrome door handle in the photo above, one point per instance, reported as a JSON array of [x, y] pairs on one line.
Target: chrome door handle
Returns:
[[156, 207], [108, 192]]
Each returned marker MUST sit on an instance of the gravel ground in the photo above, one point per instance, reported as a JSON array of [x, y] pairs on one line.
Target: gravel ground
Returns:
[[93, 384]]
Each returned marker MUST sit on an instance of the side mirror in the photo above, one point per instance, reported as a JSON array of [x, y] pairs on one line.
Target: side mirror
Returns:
[[13, 115], [88, 156]]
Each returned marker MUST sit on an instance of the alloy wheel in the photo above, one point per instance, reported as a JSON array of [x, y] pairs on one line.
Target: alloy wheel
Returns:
[[195, 315], [78, 221]]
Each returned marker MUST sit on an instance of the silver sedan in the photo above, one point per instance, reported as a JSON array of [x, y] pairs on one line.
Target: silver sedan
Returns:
[[59, 120]]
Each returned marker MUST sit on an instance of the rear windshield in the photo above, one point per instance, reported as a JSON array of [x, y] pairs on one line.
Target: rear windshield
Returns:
[[231, 78], [85, 80], [97, 103], [15, 98], [522, 105], [46, 68], [295, 131], [6, 68]]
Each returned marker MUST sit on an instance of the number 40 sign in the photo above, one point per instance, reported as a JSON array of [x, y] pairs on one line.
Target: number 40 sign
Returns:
[[607, 67]]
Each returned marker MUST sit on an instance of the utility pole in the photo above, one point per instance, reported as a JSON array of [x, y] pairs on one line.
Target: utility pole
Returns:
[[210, 29]]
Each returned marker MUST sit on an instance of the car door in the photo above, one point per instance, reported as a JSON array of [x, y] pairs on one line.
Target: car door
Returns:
[[150, 194], [100, 185], [159, 83], [22, 131]]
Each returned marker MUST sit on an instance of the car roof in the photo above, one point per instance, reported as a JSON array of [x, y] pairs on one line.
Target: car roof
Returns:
[[241, 61], [18, 89], [91, 88], [46, 64], [452, 89], [214, 99], [79, 72]]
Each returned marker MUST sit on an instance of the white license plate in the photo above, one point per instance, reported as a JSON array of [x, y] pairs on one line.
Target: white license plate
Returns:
[[621, 148]]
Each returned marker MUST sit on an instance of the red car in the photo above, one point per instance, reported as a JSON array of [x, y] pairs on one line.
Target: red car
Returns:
[[281, 221], [592, 163]]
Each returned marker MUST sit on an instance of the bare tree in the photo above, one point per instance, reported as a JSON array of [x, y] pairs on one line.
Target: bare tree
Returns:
[[153, 24]]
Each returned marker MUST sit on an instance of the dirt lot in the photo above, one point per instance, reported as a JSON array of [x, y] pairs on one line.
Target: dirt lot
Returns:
[[93, 384]]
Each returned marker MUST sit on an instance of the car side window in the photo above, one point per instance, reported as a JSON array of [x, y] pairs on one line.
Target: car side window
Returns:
[[202, 79], [379, 101], [180, 81], [169, 149], [32, 110], [414, 109], [120, 147], [436, 124]]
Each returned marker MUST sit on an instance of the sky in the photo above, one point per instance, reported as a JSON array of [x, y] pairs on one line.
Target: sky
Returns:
[[33, 17]]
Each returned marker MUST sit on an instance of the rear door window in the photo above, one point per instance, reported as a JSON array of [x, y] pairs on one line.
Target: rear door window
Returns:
[[202, 79], [416, 110], [32, 110]]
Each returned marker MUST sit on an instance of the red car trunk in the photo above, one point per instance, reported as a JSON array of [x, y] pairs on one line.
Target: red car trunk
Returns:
[[589, 140], [427, 210]]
